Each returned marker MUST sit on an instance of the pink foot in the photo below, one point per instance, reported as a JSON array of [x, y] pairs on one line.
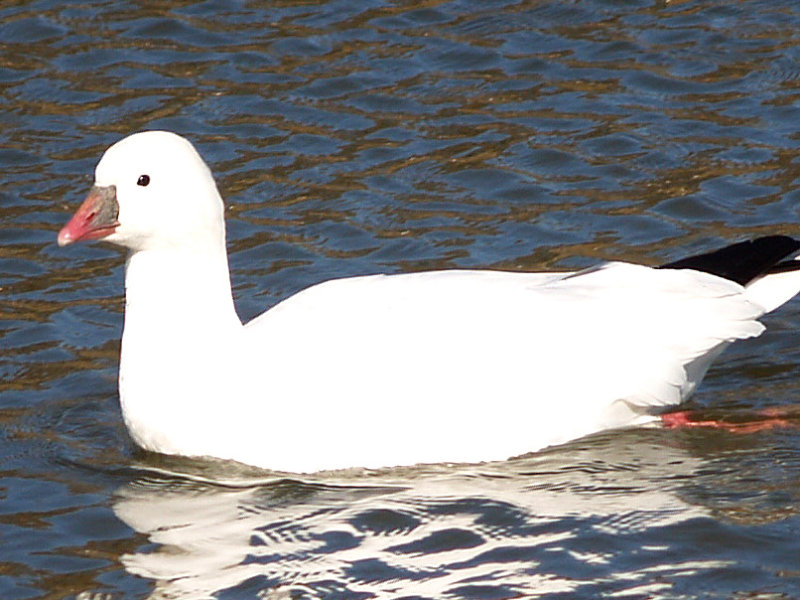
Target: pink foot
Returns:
[[769, 418]]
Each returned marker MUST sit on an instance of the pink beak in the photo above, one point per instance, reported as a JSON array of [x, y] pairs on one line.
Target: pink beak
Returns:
[[95, 219]]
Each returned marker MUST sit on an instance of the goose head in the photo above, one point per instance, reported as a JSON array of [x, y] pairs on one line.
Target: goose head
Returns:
[[152, 190]]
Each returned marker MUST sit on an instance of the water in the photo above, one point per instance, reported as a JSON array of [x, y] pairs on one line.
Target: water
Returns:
[[352, 138]]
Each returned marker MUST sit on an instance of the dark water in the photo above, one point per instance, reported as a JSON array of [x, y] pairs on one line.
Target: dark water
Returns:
[[356, 137]]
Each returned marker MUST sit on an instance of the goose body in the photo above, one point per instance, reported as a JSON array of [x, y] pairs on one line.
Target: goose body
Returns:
[[383, 370]]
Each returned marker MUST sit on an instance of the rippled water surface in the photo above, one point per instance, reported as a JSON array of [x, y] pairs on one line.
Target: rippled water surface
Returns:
[[361, 137]]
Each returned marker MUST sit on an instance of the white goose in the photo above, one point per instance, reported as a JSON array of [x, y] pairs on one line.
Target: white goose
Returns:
[[382, 370]]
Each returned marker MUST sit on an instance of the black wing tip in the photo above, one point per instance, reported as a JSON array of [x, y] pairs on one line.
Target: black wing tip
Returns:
[[785, 266], [745, 261]]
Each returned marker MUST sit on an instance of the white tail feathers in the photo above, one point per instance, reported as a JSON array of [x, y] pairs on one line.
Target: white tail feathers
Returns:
[[774, 289]]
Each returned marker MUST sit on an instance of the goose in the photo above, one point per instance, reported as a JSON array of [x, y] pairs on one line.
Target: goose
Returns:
[[448, 366]]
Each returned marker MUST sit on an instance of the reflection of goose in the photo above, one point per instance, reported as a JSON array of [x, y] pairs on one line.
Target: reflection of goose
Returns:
[[455, 366], [552, 522]]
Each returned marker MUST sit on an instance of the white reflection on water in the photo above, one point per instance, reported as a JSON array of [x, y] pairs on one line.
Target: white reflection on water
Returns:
[[554, 522]]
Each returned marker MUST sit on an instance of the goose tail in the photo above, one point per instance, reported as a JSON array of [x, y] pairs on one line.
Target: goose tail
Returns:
[[767, 267]]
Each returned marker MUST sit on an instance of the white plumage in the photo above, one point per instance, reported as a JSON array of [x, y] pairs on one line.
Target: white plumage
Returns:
[[446, 366]]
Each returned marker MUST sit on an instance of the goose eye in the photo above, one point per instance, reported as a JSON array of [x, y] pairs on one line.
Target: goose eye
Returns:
[[143, 180]]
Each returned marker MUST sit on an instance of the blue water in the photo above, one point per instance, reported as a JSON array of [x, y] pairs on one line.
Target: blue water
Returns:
[[362, 137]]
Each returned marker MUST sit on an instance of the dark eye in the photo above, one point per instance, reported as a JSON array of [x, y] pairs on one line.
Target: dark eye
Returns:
[[143, 180]]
